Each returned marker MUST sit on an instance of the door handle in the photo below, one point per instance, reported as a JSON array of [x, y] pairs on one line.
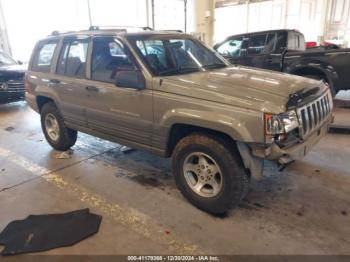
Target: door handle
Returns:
[[55, 81], [91, 88]]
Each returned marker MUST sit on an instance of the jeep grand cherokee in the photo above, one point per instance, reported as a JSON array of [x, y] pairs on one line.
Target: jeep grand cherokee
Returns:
[[168, 94]]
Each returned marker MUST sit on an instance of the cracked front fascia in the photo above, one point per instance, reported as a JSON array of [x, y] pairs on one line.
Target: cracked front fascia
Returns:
[[253, 163]]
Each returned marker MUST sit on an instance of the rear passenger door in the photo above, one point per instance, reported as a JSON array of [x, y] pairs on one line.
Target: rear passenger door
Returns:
[[70, 79]]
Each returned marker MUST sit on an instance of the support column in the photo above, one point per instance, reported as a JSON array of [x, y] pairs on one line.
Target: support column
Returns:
[[204, 17], [4, 39]]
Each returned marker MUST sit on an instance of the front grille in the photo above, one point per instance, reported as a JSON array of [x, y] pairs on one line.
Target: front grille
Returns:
[[12, 86], [312, 115], [15, 84]]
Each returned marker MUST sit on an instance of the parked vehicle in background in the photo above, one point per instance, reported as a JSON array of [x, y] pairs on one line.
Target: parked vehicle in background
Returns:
[[11, 79], [285, 51], [168, 94], [323, 45]]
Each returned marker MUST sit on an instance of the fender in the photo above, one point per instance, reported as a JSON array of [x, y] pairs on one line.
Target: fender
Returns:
[[230, 124], [45, 91], [315, 66]]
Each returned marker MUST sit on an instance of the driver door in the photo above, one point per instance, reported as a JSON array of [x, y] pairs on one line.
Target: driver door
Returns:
[[124, 113]]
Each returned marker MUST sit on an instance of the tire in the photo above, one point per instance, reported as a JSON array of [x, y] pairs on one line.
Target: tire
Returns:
[[320, 77], [65, 137], [228, 191]]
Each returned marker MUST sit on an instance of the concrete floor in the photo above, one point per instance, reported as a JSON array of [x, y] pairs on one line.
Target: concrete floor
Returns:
[[303, 210]]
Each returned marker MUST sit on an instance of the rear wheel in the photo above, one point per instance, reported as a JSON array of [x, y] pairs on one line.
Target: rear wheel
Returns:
[[56, 133], [209, 173]]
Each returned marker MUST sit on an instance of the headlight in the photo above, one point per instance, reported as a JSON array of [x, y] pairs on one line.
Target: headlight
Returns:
[[3, 85], [280, 124]]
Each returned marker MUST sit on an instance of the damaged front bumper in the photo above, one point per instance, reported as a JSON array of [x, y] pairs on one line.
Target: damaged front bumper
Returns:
[[254, 155]]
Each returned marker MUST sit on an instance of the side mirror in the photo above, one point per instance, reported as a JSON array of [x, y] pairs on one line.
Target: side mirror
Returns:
[[130, 79], [19, 62]]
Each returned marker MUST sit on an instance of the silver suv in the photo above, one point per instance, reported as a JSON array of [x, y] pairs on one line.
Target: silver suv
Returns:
[[168, 94]]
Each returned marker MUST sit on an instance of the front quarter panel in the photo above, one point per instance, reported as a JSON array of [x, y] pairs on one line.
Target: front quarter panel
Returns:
[[169, 109]]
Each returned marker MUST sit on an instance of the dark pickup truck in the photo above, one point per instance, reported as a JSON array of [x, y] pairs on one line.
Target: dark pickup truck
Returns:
[[285, 51]]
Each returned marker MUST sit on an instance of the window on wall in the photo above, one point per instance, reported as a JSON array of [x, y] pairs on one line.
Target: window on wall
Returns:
[[110, 56], [72, 60], [43, 58]]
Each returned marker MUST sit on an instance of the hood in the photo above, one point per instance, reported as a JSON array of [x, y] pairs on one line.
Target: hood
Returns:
[[14, 68], [12, 72], [250, 88]]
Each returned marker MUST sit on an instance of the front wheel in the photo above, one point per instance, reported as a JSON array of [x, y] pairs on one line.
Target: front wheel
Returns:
[[56, 133], [209, 173]]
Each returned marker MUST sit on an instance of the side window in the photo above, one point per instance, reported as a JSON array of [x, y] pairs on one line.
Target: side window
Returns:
[[257, 44], [280, 42], [109, 56], [231, 48], [43, 58], [154, 53], [296, 41], [182, 51], [270, 44], [72, 60]]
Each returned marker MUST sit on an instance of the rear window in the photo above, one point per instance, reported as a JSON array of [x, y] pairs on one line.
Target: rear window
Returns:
[[43, 57], [296, 41], [72, 60]]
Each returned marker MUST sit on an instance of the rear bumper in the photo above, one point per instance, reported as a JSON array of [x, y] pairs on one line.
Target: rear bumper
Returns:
[[296, 151], [31, 100]]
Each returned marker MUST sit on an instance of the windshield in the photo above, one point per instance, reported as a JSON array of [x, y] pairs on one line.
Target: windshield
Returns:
[[6, 59], [177, 56]]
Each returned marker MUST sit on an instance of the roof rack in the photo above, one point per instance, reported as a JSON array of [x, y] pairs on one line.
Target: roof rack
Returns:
[[175, 30], [121, 28], [55, 33]]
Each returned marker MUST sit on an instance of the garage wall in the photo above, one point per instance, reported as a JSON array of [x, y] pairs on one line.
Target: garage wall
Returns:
[[30, 20], [338, 26], [4, 41], [170, 15], [118, 12], [304, 15]]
